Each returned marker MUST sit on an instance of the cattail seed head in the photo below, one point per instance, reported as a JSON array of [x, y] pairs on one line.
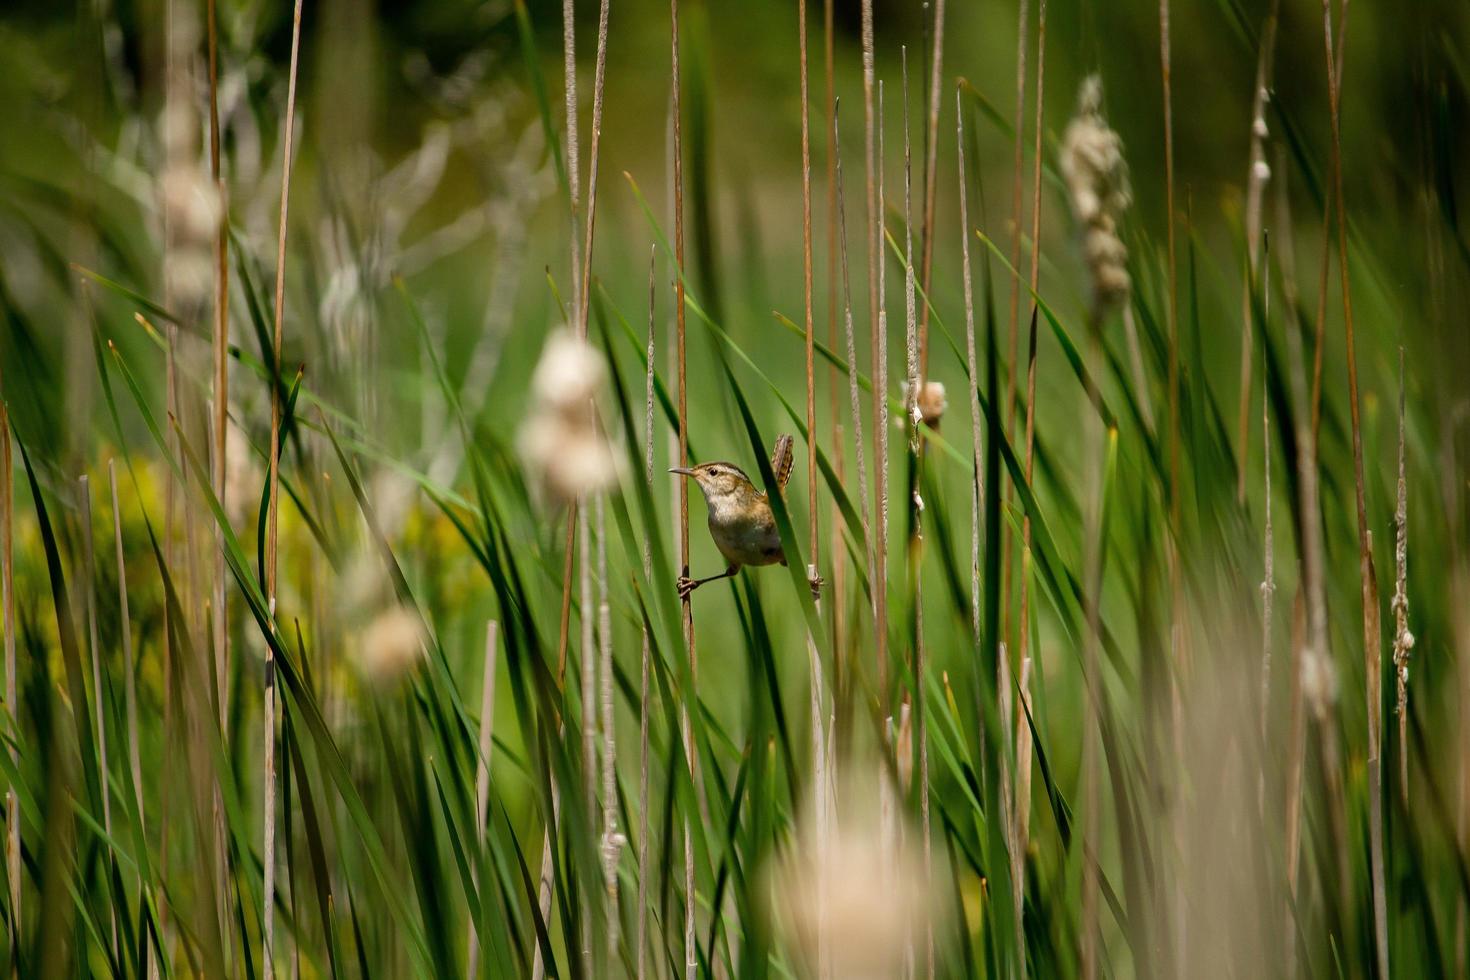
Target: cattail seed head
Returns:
[[560, 439], [1096, 176]]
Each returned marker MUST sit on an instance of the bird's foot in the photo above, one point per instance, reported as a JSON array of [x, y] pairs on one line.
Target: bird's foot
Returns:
[[816, 582], [685, 585]]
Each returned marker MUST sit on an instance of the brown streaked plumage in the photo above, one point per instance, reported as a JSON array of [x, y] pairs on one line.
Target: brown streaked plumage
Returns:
[[740, 517]]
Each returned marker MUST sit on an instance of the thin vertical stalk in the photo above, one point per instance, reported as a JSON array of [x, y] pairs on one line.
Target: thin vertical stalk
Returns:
[[1092, 544], [814, 660], [482, 780], [130, 687], [879, 331], [582, 276], [221, 342], [647, 651], [931, 164], [1403, 640], [273, 520], [125, 627], [880, 435], [7, 600], [914, 419], [852, 374], [834, 390], [587, 679], [1172, 539], [569, 74], [220, 339], [1309, 628], [691, 951], [1268, 584], [1320, 332], [599, 76], [89, 603], [1256, 178], [1372, 648], [1020, 795], [611, 843], [1017, 174], [806, 278], [972, 365]]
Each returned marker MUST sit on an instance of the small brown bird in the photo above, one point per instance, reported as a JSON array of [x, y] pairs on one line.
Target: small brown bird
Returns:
[[740, 517]]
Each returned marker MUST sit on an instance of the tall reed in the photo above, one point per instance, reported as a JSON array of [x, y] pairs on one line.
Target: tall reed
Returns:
[[273, 514]]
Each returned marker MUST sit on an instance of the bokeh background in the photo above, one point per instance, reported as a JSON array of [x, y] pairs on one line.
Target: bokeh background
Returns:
[[426, 185]]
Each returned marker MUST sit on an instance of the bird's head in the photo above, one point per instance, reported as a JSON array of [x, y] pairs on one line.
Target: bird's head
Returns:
[[718, 480]]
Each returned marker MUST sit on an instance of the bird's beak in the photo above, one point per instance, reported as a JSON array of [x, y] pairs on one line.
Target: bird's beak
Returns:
[[681, 470]]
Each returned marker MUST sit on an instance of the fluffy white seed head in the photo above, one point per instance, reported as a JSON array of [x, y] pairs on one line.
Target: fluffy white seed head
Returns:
[[834, 890], [569, 373], [391, 645], [1096, 176], [560, 439]]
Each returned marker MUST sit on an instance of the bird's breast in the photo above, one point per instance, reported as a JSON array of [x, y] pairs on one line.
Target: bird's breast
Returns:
[[745, 540]]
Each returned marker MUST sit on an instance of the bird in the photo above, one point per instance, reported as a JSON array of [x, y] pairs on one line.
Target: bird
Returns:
[[740, 517]]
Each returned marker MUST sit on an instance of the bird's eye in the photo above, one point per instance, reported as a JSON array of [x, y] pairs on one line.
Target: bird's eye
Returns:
[[714, 471]]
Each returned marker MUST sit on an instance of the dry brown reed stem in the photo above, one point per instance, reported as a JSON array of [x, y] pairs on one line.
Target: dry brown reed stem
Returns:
[[881, 428], [482, 779], [219, 620], [1403, 640], [647, 652], [1372, 649], [834, 390], [7, 600], [1172, 539], [600, 73], [1258, 174], [914, 419], [1320, 333], [878, 339], [852, 374], [569, 75], [931, 163], [819, 740], [691, 951], [221, 394], [1268, 584], [1017, 182], [1314, 684], [273, 521], [89, 604], [806, 278]]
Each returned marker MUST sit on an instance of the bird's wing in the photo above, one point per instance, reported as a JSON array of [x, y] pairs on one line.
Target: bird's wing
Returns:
[[782, 461]]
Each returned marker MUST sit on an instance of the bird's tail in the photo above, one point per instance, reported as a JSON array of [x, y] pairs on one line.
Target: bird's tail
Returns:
[[782, 461]]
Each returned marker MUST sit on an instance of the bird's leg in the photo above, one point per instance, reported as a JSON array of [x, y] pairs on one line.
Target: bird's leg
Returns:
[[687, 585]]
